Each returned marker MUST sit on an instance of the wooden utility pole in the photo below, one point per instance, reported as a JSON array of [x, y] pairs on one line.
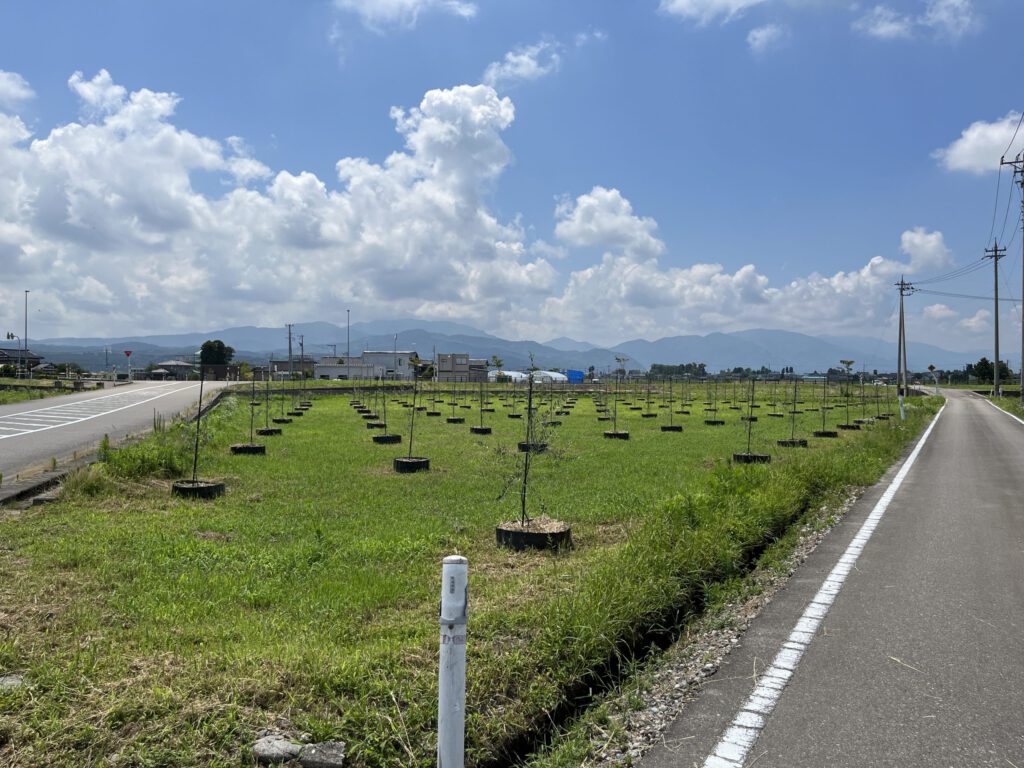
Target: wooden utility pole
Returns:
[[1018, 174], [996, 253]]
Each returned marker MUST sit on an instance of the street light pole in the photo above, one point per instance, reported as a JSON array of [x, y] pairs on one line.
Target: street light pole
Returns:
[[348, 344], [24, 338]]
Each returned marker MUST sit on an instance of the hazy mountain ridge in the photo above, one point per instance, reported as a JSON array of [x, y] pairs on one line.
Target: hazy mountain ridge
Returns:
[[719, 351]]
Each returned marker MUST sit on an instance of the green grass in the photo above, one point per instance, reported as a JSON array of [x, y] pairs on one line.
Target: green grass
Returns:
[[161, 632], [20, 390]]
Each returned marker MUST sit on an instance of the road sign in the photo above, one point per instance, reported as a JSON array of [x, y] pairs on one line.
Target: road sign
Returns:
[[127, 353]]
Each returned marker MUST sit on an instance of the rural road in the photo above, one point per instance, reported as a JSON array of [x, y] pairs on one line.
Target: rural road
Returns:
[[900, 640], [33, 432]]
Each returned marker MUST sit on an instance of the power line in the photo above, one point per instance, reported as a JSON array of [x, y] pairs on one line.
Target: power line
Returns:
[[959, 272], [1021, 120], [960, 295]]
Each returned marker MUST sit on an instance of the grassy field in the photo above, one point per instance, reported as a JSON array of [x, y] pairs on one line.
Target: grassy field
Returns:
[[20, 390], [159, 632]]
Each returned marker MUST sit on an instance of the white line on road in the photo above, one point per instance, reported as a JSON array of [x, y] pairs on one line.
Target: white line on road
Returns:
[[735, 744], [1007, 413], [119, 402]]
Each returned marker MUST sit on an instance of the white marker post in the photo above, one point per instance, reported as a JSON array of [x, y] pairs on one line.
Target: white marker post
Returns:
[[451, 698]]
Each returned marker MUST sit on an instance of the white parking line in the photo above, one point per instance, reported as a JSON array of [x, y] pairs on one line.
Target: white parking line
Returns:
[[26, 422], [735, 743]]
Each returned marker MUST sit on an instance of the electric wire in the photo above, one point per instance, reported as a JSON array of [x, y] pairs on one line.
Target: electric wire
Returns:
[[1015, 130], [962, 295], [967, 269]]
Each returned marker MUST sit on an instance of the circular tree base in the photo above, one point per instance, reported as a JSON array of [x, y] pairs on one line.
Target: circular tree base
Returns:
[[433, 413], [387, 439], [480, 430], [777, 415], [636, 407], [515, 415], [883, 417], [296, 413], [306, 404], [525, 447], [648, 415], [862, 421], [268, 431], [849, 427], [825, 433], [198, 489], [751, 458], [539, 533], [282, 420], [562, 413], [714, 422], [683, 413], [487, 410], [613, 434], [748, 418], [455, 420], [421, 407], [369, 416], [794, 443], [671, 428], [252, 449], [552, 423], [604, 418], [406, 464], [375, 425]]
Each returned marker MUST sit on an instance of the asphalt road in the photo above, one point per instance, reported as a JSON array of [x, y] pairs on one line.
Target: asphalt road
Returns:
[[35, 432], [919, 660]]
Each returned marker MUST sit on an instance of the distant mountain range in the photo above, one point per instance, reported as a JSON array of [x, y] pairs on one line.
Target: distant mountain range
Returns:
[[718, 351]]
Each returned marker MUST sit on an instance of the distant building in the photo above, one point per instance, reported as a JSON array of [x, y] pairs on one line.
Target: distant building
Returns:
[[280, 369], [389, 364], [459, 366], [176, 369], [22, 359]]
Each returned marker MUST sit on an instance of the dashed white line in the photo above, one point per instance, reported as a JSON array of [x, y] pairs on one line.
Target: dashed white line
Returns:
[[735, 744]]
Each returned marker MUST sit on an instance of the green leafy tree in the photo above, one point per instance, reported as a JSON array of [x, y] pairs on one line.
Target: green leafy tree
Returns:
[[215, 352]]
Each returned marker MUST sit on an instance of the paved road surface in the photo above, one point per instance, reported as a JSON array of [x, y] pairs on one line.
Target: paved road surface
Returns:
[[918, 661], [32, 432]]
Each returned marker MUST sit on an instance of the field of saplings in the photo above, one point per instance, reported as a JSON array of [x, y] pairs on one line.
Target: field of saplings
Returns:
[[156, 628]]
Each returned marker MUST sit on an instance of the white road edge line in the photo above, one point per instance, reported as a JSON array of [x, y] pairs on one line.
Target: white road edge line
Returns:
[[738, 739], [96, 416], [1006, 413]]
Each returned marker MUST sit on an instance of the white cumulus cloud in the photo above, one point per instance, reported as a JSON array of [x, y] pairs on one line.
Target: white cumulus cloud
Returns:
[[100, 217], [982, 144], [14, 90], [979, 322]]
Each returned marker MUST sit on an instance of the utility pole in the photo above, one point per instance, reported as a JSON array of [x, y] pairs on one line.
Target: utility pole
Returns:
[[1018, 174], [996, 253], [291, 372], [901, 352], [348, 344]]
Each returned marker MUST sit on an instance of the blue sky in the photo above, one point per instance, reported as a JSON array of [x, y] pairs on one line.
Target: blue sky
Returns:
[[602, 170]]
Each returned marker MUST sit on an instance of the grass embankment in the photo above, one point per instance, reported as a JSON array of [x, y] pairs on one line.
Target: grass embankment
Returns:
[[20, 390], [155, 632]]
